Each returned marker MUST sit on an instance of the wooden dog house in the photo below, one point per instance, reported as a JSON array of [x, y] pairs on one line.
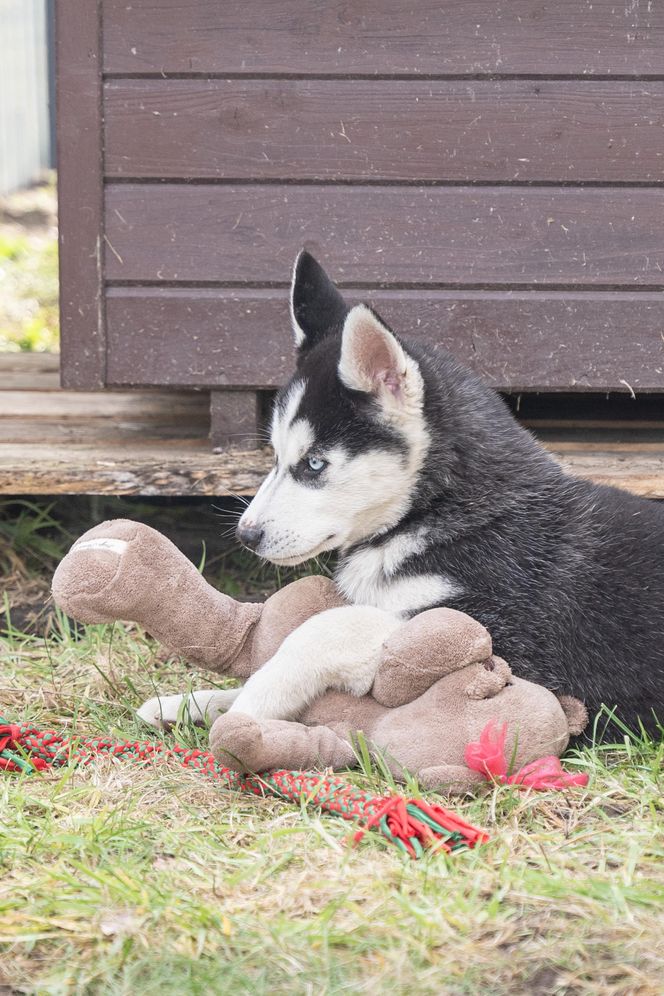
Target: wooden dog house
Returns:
[[490, 175]]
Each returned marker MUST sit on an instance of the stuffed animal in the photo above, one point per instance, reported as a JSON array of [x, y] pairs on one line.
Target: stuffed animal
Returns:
[[431, 684]]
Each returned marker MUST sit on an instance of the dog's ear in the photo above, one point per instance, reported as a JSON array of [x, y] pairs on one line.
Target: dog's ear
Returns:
[[317, 307], [373, 361]]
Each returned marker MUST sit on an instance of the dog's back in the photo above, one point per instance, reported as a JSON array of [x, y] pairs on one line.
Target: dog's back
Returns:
[[568, 576]]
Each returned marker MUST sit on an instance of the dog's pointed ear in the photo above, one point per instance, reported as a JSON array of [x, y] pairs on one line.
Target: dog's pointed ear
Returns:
[[317, 307], [373, 361]]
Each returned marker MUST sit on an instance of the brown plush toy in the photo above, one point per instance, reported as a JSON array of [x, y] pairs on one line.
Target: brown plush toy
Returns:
[[434, 684]]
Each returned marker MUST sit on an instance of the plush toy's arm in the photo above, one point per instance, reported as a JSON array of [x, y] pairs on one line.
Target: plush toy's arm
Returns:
[[246, 745], [426, 648], [123, 570]]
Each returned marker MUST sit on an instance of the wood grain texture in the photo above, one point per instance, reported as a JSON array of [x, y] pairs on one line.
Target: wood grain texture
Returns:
[[433, 235], [155, 443], [574, 37], [508, 130], [126, 468], [121, 466], [130, 408], [516, 341], [235, 420], [80, 184], [29, 371]]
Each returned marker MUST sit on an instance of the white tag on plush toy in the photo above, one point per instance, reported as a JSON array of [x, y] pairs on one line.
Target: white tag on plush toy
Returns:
[[103, 543]]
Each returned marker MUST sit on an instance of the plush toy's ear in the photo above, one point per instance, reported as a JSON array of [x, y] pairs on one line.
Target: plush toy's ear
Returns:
[[576, 714], [317, 307], [373, 361]]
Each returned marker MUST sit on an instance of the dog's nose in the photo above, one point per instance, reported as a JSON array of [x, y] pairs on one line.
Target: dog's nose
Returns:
[[249, 535]]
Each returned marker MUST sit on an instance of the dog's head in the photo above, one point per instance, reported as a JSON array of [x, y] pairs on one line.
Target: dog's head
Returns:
[[348, 430]]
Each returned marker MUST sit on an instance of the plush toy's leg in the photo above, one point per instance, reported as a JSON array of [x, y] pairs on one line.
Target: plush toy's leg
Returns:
[[244, 745], [126, 570], [449, 778]]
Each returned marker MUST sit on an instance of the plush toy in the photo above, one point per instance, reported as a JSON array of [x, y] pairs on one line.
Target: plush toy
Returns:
[[437, 686]]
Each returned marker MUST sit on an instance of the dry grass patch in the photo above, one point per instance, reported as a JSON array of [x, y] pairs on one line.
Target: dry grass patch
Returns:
[[120, 880]]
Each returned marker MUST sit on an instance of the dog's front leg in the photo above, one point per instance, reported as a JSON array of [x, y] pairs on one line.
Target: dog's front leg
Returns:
[[339, 649], [202, 706]]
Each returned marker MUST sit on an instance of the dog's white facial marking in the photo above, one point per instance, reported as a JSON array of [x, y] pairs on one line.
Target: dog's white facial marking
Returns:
[[355, 495], [284, 426], [358, 496]]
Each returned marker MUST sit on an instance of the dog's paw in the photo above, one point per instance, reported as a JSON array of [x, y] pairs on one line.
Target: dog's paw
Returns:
[[162, 711], [200, 707]]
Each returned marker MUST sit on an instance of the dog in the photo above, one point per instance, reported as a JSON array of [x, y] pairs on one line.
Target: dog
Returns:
[[419, 476]]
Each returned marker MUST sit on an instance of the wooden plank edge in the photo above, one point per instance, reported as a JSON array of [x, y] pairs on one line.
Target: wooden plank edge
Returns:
[[199, 472]]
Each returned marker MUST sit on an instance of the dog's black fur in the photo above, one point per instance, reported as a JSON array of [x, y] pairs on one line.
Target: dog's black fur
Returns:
[[567, 576]]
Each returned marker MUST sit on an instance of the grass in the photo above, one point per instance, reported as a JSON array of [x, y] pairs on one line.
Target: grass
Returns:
[[119, 880], [29, 319]]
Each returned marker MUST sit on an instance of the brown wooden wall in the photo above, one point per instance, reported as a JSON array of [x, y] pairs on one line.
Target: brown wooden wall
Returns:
[[490, 174]]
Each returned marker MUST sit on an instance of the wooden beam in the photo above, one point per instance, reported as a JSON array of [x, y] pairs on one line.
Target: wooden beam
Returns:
[[186, 466], [80, 192], [156, 443]]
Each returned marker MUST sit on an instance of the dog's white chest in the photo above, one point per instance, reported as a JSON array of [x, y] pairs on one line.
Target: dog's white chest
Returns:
[[371, 577]]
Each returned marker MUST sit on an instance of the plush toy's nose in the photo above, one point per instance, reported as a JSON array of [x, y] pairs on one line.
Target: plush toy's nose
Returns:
[[249, 535]]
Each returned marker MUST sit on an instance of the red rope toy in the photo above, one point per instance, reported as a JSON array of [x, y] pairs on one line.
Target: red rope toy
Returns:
[[411, 824]]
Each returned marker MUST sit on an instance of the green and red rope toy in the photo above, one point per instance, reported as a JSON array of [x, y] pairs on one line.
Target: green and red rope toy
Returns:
[[413, 825]]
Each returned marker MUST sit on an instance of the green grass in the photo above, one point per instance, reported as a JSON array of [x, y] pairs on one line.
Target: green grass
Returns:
[[120, 880]]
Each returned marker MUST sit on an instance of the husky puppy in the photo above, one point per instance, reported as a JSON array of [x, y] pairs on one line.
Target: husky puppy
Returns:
[[433, 494]]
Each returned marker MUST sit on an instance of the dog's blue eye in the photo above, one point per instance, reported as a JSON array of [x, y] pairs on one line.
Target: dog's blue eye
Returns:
[[315, 464]]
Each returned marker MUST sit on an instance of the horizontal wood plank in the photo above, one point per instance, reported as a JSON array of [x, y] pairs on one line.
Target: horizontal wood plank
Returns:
[[188, 467], [157, 406], [87, 447], [515, 341], [385, 130], [391, 37], [636, 471], [127, 468], [496, 236], [29, 371]]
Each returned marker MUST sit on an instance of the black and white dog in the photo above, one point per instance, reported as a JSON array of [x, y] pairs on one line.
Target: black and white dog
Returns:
[[433, 494]]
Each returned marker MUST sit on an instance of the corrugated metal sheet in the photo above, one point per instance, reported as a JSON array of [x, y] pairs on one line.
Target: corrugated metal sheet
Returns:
[[25, 139]]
